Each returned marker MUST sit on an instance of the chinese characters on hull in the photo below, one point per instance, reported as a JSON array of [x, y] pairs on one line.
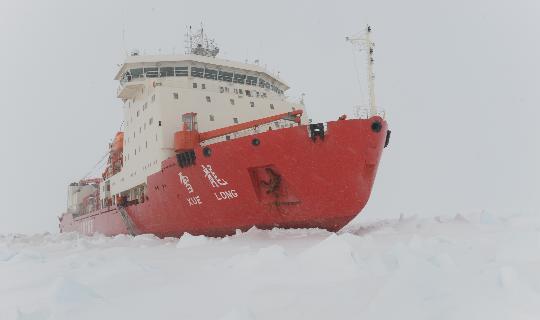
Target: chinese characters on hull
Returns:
[[216, 182], [212, 177]]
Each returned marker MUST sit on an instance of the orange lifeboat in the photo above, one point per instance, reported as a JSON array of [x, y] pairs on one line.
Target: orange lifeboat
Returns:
[[115, 156], [118, 142]]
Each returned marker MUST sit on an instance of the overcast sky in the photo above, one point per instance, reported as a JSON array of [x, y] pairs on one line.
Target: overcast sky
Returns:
[[459, 81]]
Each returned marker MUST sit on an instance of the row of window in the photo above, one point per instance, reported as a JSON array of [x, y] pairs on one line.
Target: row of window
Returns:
[[239, 91], [236, 90], [232, 101], [155, 72], [213, 74]]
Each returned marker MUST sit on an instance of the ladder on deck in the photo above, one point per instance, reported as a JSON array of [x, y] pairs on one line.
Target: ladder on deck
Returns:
[[130, 226]]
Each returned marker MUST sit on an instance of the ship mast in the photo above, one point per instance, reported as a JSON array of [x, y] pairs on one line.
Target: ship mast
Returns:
[[200, 44], [366, 43]]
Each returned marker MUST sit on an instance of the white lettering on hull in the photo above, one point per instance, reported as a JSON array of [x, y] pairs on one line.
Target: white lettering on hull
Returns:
[[226, 195], [185, 182], [194, 201], [87, 226]]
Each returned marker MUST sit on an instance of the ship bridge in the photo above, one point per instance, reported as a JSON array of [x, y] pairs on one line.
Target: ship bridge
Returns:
[[138, 69]]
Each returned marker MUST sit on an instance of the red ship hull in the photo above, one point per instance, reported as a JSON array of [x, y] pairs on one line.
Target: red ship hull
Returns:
[[288, 180]]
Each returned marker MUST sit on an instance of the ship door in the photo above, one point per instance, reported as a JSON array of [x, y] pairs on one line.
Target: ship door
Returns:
[[190, 121]]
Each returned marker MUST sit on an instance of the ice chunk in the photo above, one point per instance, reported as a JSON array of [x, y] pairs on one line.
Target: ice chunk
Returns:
[[188, 241]]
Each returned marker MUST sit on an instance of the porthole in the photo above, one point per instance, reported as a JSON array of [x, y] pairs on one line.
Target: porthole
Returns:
[[376, 126]]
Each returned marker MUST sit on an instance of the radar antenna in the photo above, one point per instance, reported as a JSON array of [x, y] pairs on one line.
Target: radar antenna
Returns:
[[198, 43], [365, 43]]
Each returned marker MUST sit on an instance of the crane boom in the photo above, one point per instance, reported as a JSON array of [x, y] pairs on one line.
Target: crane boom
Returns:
[[294, 116], [187, 139]]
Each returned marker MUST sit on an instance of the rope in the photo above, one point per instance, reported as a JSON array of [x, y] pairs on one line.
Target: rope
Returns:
[[95, 166], [102, 158]]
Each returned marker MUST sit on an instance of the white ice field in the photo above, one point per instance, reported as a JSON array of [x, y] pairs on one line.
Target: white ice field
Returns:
[[474, 266]]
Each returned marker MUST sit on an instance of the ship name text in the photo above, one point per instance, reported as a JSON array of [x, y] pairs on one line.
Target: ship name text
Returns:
[[194, 201], [226, 195], [212, 177], [185, 181]]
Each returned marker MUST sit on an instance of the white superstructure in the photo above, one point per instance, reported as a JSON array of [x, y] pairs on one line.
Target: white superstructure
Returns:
[[157, 90]]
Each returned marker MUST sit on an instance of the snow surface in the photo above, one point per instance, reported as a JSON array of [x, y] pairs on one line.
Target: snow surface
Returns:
[[476, 266]]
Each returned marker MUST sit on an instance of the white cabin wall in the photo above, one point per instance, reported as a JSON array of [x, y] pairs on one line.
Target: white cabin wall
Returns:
[[142, 140]]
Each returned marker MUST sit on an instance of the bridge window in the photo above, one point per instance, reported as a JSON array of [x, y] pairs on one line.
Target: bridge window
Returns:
[[136, 73], [210, 74], [197, 72], [181, 71], [225, 76], [251, 80], [151, 72], [239, 78], [166, 72]]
